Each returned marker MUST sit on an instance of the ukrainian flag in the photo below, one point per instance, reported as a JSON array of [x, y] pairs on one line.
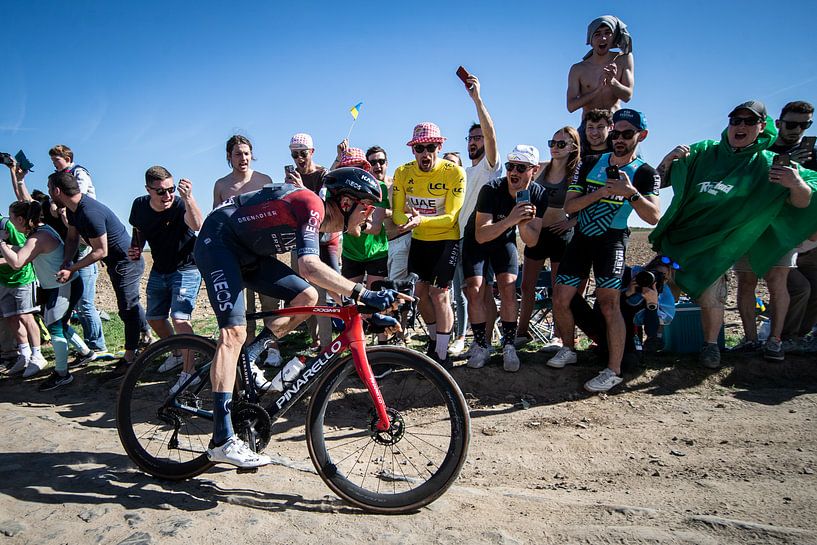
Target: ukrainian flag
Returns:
[[355, 111]]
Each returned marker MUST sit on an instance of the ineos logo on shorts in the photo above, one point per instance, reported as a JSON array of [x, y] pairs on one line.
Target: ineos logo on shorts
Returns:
[[222, 291]]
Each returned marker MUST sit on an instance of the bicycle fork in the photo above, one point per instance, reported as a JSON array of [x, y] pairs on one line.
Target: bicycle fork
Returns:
[[364, 371]]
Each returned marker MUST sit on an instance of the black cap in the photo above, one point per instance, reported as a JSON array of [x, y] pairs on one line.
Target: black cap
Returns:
[[754, 106]]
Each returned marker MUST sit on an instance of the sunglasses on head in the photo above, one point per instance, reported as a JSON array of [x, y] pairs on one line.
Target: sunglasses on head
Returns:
[[302, 153], [521, 168], [161, 191], [748, 121], [666, 260], [561, 144], [626, 135], [791, 125], [420, 148], [374, 162]]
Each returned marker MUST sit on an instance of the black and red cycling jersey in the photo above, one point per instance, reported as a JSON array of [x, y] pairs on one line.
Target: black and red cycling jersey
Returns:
[[275, 220]]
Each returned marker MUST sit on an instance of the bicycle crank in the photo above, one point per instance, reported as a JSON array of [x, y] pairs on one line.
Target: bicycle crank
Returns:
[[252, 424]]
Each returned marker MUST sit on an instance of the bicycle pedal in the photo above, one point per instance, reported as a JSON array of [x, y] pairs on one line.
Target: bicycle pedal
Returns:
[[246, 470]]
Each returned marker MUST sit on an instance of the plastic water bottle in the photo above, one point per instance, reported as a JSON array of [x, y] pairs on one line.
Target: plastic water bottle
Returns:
[[289, 373]]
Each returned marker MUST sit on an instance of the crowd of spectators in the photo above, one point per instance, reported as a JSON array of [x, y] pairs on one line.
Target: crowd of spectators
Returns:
[[741, 203]]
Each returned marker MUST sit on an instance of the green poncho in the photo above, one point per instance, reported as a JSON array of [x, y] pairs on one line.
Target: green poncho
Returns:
[[724, 207]]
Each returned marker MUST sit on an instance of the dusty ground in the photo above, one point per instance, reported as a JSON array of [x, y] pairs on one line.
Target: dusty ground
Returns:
[[680, 455]]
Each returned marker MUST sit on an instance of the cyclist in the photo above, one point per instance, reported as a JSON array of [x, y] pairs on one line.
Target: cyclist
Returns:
[[237, 246]]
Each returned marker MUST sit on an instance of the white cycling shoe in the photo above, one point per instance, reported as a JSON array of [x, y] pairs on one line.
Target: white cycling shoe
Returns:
[[236, 452]]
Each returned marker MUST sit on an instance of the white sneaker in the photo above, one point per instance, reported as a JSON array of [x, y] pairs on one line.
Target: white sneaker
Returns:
[[19, 365], [183, 376], [603, 382], [238, 453], [171, 362], [564, 356], [273, 358], [479, 356], [510, 361], [457, 348], [35, 365], [259, 379]]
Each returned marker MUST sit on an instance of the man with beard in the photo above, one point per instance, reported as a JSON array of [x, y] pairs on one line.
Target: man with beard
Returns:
[[603, 78], [428, 196], [605, 190], [733, 205], [490, 237], [485, 166]]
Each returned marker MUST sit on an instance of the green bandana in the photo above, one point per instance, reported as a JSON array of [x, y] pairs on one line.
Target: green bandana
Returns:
[[724, 207]]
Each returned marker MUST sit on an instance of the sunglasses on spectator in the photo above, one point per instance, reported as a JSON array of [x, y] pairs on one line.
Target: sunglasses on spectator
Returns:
[[161, 191], [626, 135], [748, 121], [475, 138], [374, 162], [561, 144], [791, 125], [420, 148], [302, 153], [520, 167], [666, 260]]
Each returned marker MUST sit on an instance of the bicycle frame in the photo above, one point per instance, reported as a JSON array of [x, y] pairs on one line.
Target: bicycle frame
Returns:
[[351, 337]]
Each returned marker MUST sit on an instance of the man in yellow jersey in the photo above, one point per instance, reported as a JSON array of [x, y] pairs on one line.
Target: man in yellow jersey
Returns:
[[428, 194]]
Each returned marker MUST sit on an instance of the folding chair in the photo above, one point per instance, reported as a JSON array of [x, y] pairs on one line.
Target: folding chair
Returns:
[[541, 321]]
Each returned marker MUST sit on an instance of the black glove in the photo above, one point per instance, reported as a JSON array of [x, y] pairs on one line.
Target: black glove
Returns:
[[380, 322], [378, 299]]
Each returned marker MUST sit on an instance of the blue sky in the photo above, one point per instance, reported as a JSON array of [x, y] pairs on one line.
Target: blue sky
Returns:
[[129, 85]]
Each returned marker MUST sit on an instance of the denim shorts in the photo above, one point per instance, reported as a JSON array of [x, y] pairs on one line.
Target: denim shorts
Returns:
[[172, 293]]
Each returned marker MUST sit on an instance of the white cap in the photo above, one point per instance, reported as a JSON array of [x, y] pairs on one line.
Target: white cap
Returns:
[[300, 141], [523, 153]]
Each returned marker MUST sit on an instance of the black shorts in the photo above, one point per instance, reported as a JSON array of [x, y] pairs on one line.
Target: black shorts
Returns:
[[550, 245], [375, 267], [604, 253], [434, 261], [227, 269], [489, 259]]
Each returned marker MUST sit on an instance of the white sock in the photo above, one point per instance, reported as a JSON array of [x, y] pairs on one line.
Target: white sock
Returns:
[[24, 350], [35, 351], [432, 329], [442, 345]]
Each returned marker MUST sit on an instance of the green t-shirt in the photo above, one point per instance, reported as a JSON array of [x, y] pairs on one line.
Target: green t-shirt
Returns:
[[369, 247], [8, 276]]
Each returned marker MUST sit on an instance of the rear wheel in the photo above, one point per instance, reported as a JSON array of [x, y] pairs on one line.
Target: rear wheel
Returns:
[[411, 464], [167, 436]]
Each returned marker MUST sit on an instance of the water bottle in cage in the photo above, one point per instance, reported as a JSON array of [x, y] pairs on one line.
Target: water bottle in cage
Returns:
[[288, 374]]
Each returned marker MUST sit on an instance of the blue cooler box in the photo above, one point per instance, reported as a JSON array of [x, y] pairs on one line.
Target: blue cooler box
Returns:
[[684, 335]]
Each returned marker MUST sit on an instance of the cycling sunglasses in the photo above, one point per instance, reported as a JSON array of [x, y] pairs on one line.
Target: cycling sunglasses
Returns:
[[420, 148], [161, 191], [791, 125], [302, 153], [561, 144], [520, 168], [626, 135], [748, 121], [666, 260]]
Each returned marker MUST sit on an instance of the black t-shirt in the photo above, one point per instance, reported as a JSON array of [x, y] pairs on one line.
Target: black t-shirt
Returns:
[[778, 147], [171, 240], [93, 219], [494, 199]]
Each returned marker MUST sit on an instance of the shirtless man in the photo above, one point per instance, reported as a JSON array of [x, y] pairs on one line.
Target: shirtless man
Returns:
[[603, 78], [243, 178]]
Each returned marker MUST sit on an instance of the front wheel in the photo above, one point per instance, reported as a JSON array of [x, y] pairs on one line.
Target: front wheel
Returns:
[[411, 464]]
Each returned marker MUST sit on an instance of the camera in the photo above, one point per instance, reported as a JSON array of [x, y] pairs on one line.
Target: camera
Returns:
[[650, 278], [6, 159]]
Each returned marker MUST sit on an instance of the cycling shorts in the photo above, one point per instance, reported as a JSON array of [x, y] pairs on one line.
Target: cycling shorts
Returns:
[[434, 261], [550, 245], [603, 253], [375, 267], [482, 259]]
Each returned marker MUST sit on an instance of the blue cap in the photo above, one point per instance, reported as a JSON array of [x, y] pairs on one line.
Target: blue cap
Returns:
[[636, 118]]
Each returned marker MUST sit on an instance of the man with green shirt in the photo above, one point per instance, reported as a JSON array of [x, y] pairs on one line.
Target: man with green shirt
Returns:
[[17, 303], [732, 203], [367, 255]]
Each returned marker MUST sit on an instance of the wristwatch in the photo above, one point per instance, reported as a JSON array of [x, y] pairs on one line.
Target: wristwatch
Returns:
[[634, 197]]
